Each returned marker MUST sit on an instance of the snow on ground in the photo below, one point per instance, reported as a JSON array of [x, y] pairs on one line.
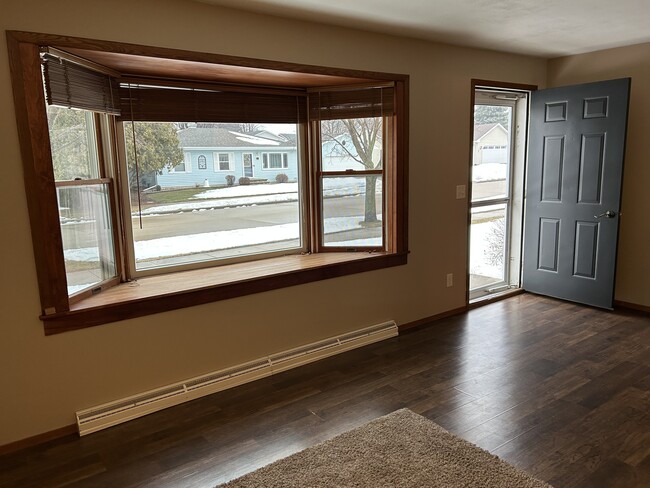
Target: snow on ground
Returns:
[[371, 241], [236, 196], [75, 288], [219, 203], [340, 187], [242, 195], [479, 241], [333, 186], [214, 241], [248, 190], [489, 172]]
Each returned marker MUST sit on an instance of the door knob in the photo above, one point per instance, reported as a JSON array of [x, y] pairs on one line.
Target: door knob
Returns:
[[609, 214]]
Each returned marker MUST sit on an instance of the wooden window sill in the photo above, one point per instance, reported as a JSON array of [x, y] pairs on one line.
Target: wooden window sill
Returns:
[[152, 294]]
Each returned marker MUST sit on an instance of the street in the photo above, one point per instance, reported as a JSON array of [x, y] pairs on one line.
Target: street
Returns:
[[188, 223], [81, 235]]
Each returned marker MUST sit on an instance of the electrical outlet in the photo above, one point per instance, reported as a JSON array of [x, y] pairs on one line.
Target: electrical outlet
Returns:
[[450, 279], [460, 192]]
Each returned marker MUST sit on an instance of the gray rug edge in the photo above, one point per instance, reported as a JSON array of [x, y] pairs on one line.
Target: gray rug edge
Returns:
[[251, 478]]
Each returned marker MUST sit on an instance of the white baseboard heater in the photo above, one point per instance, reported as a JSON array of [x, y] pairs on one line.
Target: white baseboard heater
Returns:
[[113, 413]]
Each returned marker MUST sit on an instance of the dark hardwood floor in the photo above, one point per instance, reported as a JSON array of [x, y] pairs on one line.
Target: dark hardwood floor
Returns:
[[559, 390]]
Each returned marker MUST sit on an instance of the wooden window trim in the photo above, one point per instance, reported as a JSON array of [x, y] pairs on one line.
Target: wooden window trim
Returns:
[[162, 293], [194, 287]]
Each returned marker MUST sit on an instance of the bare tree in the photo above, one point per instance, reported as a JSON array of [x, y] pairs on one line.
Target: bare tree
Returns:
[[365, 134], [249, 128]]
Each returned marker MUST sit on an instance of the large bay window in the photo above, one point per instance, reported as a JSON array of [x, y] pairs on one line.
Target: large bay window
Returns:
[[308, 176]]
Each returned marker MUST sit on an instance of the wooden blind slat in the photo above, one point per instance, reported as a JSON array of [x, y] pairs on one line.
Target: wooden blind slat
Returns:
[[157, 104], [71, 85], [369, 102]]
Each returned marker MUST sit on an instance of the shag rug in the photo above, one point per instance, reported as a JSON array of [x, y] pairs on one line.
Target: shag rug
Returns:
[[399, 450]]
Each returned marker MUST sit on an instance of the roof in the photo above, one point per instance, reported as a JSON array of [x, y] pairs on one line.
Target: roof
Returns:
[[217, 137], [481, 130]]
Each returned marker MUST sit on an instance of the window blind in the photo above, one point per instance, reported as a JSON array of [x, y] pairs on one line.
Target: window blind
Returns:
[[161, 104], [349, 104], [71, 85]]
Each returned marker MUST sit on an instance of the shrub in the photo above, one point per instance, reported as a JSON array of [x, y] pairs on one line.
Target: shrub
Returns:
[[281, 178], [496, 236], [244, 180], [158, 188], [230, 180]]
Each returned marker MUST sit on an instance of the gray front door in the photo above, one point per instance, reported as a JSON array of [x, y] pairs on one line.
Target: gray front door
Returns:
[[573, 191]]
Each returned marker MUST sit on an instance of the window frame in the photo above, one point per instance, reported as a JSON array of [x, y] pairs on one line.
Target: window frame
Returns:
[[388, 160], [205, 285], [113, 280], [201, 162], [187, 164], [284, 160], [217, 161], [132, 271]]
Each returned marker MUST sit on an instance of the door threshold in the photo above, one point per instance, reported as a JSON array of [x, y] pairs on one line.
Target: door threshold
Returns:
[[494, 297]]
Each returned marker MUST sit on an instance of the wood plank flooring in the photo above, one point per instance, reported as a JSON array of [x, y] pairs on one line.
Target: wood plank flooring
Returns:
[[559, 390]]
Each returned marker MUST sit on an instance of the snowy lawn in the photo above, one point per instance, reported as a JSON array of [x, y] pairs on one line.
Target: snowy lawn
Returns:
[[214, 241], [248, 190], [489, 172], [481, 235], [219, 203], [244, 195]]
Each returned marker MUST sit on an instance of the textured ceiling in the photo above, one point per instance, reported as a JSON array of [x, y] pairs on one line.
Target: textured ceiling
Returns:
[[547, 28]]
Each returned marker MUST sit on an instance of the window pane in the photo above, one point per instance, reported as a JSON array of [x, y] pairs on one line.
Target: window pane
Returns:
[[86, 229], [351, 144], [224, 162], [487, 246], [491, 152], [352, 211], [201, 215], [73, 143], [276, 160]]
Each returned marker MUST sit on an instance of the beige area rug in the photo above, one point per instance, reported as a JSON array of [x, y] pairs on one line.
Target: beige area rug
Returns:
[[402, 449]]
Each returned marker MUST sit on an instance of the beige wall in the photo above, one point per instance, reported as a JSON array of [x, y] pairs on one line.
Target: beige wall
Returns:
[[633, 273], [44, 380]]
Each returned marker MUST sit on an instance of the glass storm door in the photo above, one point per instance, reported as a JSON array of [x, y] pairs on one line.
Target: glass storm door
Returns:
[[491, 194], [248, 165]]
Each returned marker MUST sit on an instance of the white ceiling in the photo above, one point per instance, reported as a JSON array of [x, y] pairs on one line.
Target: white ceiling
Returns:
[[547, 28]]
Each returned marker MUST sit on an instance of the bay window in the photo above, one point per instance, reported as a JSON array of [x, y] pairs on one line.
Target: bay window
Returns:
[[83, 192], [108, 137]]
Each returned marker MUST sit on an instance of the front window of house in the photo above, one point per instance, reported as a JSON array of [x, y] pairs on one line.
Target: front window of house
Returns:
[[275, 160], [224, 161]]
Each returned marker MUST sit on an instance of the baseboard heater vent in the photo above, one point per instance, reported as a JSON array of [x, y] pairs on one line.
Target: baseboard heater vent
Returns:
[[113, 413]]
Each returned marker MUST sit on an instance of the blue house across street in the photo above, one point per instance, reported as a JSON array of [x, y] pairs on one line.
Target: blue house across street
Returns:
[[212, 153]]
